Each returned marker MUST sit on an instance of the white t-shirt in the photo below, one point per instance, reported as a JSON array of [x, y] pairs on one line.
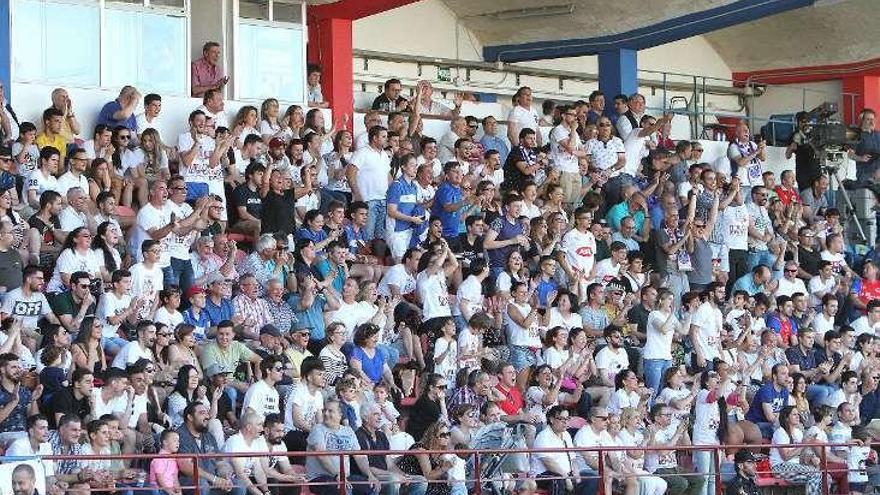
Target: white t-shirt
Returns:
[[448, 366], [563, 160], [165, 317], [179, 245], [308, 405], [469, 343], [471, 293], [28, 309], [819, 286], [149, 217], [659, 345], [710, 321], [130, 355], [524, 118], [199, 170], [606, 271], [373, 166], [115, 405], [71, 219], [555, 358], [147, 283], [433, 294], [781, 437], [262, 398], [862, 325], [580, 250], [71, 261], [69, 181], [635, 151], [735, 227], [759, 218], [398, 277], [548, 439], [142, 125], [856, 461], [611, 362], [352, 315], [237, 444], [621, 399], [586, 437], [821, 325], [838, 261], [788, 287], [556, 320], [22, 448], [40, 183], [667, 460], [110, 305], [518, 335], [707, 420]]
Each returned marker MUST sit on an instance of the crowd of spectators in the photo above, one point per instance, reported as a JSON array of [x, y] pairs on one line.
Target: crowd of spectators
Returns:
[[268, 283]]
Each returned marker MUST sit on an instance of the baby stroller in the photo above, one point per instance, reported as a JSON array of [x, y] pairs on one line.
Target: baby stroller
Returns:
[[496, 466]]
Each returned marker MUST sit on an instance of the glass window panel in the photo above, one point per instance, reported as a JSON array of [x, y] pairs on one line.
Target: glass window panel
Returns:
[[254, 9], [146, 50], [28, 41], [287, 12], [169, 3], [45, 36], [270, 63]]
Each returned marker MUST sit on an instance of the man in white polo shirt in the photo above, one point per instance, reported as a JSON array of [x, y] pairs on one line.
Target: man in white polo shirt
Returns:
[[369, 176]]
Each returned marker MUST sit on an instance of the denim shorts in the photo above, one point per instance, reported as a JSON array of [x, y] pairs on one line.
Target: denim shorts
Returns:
[[523, 357]]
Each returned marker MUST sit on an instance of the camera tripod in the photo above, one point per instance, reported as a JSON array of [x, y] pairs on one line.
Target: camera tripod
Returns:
[[831, 161]]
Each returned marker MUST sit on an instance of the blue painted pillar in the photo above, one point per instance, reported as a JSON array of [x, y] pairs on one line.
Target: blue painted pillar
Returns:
[[617, 73], [5, 48]]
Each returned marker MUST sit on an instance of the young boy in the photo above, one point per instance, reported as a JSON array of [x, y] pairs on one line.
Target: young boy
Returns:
[[347, 391], [858, 459], [163, 471]]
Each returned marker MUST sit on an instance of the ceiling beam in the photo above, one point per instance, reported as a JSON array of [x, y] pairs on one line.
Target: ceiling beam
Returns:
[[798, 75], [685, 26], [355, 9]]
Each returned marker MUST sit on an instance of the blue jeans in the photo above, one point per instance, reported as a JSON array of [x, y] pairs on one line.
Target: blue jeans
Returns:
[[766, 429], [589, 484], [375, 228], [179, 273], [357, 488], [761, 257], [704, 464], [205, 488], [654, 371]]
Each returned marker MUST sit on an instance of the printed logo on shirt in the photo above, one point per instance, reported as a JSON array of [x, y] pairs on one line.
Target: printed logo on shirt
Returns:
[[27, 308]]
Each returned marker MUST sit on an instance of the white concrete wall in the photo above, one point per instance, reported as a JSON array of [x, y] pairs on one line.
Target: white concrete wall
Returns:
[[792, 98]]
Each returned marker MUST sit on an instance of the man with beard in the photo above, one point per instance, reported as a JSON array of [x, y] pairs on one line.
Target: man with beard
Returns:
[[73, 400], [24, 481], [248, 441], [193, 440], [138, 349], [277, 467], [18, 402], [706, 325], [36, 444], [28, 301]]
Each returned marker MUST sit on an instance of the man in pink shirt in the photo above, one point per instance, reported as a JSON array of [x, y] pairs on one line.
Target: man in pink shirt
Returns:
[[206, 71]]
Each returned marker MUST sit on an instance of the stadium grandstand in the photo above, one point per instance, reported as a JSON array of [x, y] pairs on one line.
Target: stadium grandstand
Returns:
[[439, 247]]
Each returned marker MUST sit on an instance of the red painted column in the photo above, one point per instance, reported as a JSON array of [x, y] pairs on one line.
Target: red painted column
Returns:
[[866, 91], [330, 46]]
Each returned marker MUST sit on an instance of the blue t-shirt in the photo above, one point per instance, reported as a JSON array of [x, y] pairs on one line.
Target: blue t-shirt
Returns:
[[354, 238], [202, 322], [747, 283], [17, 419], [767, 394], [106, 117], [545, 287], [505, 230], [403, 194], [447, 194], [312, 317], [324, 269], [314, 236], [372, 366], [217, 313]]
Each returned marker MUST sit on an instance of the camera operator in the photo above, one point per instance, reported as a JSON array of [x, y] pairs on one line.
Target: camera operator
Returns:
[[867, 152], [806, 163]]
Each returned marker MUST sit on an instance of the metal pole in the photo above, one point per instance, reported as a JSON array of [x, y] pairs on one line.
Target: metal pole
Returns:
[[478, 482], [824, 465], [342, 481], [601, 466], [198, 488], [664, 92], [716, 461]]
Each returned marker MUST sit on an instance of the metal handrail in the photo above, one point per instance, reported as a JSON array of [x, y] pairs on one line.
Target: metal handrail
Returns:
[[342, 482]]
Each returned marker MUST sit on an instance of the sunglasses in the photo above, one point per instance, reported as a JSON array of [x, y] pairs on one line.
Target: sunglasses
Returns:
[[605, 125], [124, 137], [445, 434]]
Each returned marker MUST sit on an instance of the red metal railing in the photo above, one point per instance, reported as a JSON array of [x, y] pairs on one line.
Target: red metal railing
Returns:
[[478, 480]]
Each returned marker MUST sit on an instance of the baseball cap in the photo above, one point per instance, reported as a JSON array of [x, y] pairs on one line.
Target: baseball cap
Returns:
[[300, 327], [270, 329], [276, 142], [216, 369], [615, 285], [743, 455], [195, 289]]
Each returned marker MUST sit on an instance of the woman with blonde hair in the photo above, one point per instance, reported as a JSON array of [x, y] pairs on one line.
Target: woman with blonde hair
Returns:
[[630, 435], [246, 122]]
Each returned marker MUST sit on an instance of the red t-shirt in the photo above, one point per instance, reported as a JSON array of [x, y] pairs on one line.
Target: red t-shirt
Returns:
[[513, 400], [787, 195], [870, 290]]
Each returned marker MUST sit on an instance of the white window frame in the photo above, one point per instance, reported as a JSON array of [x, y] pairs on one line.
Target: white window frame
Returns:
[[102, 5], [236, 36]]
